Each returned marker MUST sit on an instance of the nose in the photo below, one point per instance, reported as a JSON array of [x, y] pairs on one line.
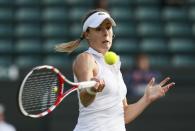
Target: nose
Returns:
[[105, 31]]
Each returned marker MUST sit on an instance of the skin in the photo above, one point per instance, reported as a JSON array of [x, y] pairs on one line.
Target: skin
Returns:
[[100, 38], [85, 68], [143, 63], [1, 117]]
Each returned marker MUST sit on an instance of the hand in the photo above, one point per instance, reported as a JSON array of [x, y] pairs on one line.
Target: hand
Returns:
[[99, 85], [154, 92]]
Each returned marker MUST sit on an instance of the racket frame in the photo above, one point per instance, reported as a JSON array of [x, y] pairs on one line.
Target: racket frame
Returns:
[[61, 95]]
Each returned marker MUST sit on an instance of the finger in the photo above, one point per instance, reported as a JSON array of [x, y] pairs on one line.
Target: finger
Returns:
[[102, 84], [95, 88], [96, 85], [95, 79], [167, 87], [151, 83], [100, 87], [164, 81]]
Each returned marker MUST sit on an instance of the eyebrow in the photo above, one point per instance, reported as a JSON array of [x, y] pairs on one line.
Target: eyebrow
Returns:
[[107, 23]]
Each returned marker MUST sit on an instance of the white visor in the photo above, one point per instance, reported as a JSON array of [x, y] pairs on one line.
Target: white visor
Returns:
[[96, 19]]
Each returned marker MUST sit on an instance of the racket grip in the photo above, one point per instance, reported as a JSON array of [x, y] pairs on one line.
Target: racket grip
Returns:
[[86, 84]]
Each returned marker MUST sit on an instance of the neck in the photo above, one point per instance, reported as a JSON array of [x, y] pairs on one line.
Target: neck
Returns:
[[99, 51]]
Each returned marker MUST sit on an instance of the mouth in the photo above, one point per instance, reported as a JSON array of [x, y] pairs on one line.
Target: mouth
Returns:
[[105, 42]]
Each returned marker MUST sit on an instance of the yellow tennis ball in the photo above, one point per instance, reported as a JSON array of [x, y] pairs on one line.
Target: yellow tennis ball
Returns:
[[111, 57], [55, 89]]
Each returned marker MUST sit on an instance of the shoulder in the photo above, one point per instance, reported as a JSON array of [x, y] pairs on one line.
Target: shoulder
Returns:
[[84, 66], [84, 58]]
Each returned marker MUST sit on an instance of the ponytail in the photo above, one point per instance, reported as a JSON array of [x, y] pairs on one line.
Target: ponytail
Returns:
[[69, 46]]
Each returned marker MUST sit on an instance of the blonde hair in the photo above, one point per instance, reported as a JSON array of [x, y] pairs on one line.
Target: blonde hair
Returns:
[[72, 45], [69, 46]]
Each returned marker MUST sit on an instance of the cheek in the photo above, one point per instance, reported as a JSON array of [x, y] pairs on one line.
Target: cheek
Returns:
[[93, 38], [97, 38], [111, 34]]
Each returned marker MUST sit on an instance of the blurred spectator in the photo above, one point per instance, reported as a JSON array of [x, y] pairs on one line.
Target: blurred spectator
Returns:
[[101, 4], [4, 126], [137, 79]]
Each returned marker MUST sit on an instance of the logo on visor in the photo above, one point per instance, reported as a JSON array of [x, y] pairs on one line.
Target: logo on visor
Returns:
[[101, 13]]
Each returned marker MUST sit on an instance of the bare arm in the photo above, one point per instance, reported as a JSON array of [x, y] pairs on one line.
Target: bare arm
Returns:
[[152, 93], [132, 111], [84, 67]]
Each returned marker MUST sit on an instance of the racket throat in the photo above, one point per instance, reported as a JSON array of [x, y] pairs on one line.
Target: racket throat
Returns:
[[60, 98]]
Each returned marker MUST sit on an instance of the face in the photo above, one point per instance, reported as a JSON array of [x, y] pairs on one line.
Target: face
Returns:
[[1, 117], [100, 38], [143, 63]]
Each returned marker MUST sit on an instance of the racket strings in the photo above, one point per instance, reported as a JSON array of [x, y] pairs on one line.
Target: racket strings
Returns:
[[40, 91], [34, 89]]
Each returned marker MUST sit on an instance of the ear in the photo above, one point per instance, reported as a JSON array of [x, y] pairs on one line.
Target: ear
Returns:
[[86, 35]]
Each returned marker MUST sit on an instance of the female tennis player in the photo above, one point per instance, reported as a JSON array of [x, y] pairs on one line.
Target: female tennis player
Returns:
[[104, 107]]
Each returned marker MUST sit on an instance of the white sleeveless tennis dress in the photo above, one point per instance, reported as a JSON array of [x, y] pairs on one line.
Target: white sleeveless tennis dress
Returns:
[[106, 113]]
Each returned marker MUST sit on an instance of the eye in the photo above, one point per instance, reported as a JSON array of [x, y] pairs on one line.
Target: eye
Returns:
[[108, 27], [98, 29]]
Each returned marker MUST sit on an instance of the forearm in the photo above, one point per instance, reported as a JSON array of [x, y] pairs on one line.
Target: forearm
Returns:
[[132, 111], [152, 93], [86, 98]]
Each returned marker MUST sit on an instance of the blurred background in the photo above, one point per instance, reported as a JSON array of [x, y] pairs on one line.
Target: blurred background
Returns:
[[152, 37]]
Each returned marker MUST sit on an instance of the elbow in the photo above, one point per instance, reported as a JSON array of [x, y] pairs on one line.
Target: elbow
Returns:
[[127, 120], [127, 117]]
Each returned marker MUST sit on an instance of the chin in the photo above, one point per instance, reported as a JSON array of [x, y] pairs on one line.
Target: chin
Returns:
[[107, 47]]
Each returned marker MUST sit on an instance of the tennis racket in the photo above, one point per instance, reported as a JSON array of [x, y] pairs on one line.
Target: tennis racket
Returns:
[[42, 90]]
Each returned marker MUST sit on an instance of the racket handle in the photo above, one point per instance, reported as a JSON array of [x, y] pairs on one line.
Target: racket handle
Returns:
[[86, 84]]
